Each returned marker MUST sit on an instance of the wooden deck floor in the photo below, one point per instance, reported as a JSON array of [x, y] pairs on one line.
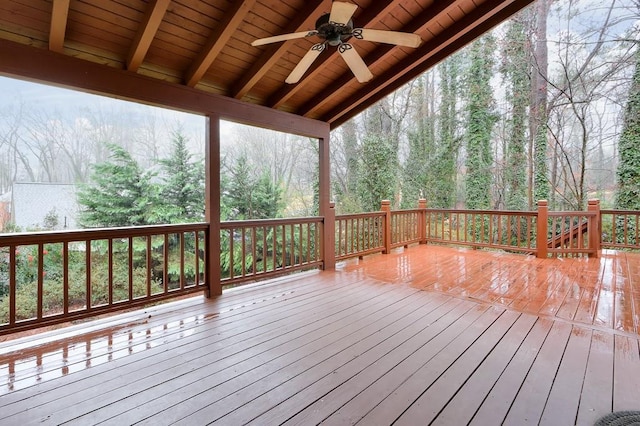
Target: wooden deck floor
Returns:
[[426, 335]]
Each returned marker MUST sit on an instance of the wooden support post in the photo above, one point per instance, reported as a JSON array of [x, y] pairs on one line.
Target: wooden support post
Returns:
[[386, 207], [212, 204], [327, 208], [329, 240], [422, 220], [541, 238], [595, 233]]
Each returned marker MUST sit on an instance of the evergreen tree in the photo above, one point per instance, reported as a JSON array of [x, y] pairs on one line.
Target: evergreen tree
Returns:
[[120, 193], [240, 189], [183, 185], [480, 124], [250, 198], [628, 173], [377, 173]]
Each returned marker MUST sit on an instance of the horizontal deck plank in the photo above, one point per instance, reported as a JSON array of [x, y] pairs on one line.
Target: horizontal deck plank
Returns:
[[425, 334]]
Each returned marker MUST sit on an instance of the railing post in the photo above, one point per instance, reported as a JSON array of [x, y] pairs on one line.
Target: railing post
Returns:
[[541, 237], [386, 207], [594, 227], [329, 238], [422, 221]]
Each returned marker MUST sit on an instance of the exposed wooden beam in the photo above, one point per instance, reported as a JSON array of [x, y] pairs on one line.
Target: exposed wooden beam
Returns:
[[31, 63], [58, 28], [218, 40], [146, 33], [373, 13], [423, 20], [457, 36], [305, 20]]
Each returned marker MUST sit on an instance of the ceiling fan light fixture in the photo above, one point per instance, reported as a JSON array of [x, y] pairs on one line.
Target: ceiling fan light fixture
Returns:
[[336, 28]]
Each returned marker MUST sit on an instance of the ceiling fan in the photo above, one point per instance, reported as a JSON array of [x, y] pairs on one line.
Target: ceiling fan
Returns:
[[336, 28]]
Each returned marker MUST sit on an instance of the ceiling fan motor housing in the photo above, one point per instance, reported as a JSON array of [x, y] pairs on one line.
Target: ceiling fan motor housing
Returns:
[[334, 33]]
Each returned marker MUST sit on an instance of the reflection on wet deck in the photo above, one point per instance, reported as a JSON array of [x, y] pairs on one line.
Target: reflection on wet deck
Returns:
[[509, 314], [602, 292]]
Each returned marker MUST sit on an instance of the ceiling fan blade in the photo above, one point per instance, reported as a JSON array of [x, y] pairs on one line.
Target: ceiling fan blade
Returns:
[[305, 63], [390, 37], [355, 62], [283, 37], [342, 12]]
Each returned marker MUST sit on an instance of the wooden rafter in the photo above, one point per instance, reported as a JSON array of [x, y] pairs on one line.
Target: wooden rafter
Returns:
[[218, 40], [305, 20], [148, 29], [59, 14], [379, 55], [373, 13], [476, 23]]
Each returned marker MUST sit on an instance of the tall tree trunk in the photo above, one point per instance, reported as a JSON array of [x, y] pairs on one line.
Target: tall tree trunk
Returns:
[[538, 174]]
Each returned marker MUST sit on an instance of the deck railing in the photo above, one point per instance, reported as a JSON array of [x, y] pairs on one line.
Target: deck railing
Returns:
[[360, 234], [52, 277], [257, 249], [505, 230], [620, 229]]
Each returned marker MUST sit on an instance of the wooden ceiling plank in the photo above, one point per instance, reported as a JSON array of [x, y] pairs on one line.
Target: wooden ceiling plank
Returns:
[[305, 20], [371, 14], [59, 15], [423, 20], [464, 31], [154, 14], [218, 40]]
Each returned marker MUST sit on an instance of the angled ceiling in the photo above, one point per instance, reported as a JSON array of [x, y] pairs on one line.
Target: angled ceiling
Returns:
[[206, 44]]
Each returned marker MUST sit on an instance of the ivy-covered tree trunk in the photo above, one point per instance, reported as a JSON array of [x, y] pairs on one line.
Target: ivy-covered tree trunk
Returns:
[[628, 173], [539, 180], [377, 173], [449, 148], [480, 124], [417, 173], [516, 72]]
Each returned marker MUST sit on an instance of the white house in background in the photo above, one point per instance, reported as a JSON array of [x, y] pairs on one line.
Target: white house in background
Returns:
[[32, 203]]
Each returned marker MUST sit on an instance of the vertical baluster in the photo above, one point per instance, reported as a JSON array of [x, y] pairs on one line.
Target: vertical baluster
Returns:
[[110, 270], [12, 284], [149, 270], [182, 278], [264, 248], [165, 260], [232, 269], [40, 295], [88, 273], [197, 259], [254, 252], [130, 268], [65, 277], [243, 252]]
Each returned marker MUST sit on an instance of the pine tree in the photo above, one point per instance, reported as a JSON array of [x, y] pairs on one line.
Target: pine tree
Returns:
[[480, 124], [251, 198], [183, 184], [121, 193]]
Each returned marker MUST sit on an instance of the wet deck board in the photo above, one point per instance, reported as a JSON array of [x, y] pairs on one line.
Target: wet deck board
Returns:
[[367, 343]]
